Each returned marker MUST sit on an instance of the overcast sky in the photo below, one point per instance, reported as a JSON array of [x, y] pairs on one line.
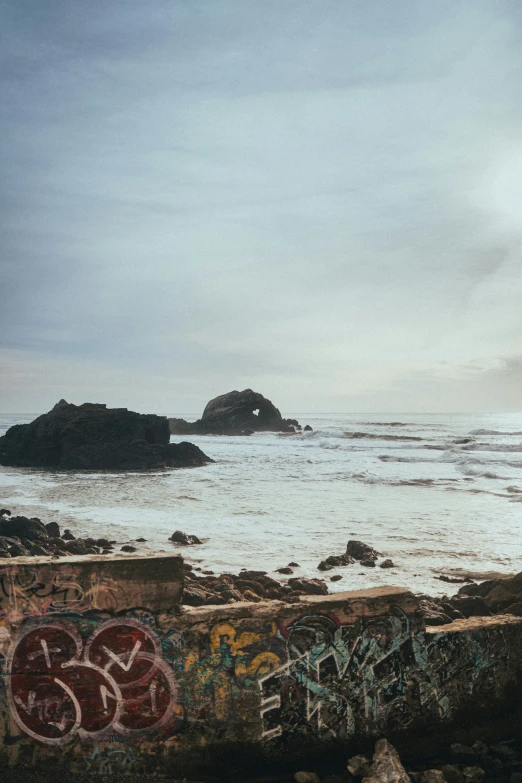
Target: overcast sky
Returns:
[[317, 199]]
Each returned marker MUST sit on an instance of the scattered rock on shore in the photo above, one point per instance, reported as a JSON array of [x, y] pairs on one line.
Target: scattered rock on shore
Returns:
[[178, 537], [360, 551]]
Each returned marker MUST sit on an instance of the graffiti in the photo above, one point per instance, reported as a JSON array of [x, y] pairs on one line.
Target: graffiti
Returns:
[[26, 593], [109, 761], [60, 686], [335, 671]]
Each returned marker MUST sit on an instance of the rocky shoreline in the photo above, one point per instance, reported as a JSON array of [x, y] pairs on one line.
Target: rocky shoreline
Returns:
[[22, 536]]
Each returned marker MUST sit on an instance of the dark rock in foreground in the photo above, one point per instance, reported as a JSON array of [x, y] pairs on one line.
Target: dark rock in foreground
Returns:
[[236, 413], [94, 437]]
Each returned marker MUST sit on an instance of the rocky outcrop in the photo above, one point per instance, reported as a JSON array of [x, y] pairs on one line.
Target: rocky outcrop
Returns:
[[236, 413], [94, 437]]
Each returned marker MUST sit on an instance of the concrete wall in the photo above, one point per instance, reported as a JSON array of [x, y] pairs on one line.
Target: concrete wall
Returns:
[[106, 675]]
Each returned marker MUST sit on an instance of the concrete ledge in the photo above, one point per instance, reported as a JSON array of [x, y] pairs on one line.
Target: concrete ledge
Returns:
[[35, 586], [475, 623]]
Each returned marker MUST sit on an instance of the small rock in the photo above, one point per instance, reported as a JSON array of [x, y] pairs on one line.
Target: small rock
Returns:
[[335, 578], [141, 540], [473, 774], [452, 773], [103, 542], [4, 512], [68, 536], [17, 550], [309, 586], [431, 776], [387, 564], [386, 766], [361, 551], [503, 752], [307, 777], [284, 570], [178, 537], [37, 550], [249, 595], [128, 548], [339, 560], [368, 563], [53, 528], [307, 428], [324, 566], [293, 565], [358, 766]]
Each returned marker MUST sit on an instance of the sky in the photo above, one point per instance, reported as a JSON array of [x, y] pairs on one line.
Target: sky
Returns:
[[317, 199]]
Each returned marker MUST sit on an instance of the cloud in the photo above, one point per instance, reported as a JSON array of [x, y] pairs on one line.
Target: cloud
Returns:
[[319, 198]]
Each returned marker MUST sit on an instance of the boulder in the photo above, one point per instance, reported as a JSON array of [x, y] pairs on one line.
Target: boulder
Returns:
[[22, 527], [471, 605], [236, 413], [178, 537], [308, 428], [94, 437], [386, 766], [361, 551], [308, 586], [53, 528], [339, 560], [433, 612], [387, 564]]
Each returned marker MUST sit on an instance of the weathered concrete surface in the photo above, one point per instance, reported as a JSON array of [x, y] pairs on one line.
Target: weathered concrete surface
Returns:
[[95, 688], [34, 586]]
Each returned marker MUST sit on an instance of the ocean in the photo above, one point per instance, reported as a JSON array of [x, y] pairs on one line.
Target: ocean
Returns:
[[436, 493]]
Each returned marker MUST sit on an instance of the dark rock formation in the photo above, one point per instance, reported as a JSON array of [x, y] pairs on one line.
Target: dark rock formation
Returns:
[[236, 413], [387, 564], [93, 437]]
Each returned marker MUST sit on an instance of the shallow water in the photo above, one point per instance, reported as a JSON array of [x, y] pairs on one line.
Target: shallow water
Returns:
[[402, 483]]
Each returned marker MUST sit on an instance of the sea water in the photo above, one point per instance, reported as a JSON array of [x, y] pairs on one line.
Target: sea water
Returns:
[[436, 493]]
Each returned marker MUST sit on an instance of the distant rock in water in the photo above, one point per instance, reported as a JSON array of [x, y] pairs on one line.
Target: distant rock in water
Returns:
[[236, 413], [94, 437]]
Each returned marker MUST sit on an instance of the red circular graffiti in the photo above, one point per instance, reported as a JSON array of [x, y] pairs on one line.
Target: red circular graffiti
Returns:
[[117, 682]]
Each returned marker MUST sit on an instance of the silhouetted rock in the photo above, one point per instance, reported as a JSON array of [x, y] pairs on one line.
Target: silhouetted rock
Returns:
[[308, 428], [94, 437], [387, 564], [236, 413]]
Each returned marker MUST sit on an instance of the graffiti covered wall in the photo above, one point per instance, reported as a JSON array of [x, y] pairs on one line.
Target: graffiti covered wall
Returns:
[[105, 687]]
